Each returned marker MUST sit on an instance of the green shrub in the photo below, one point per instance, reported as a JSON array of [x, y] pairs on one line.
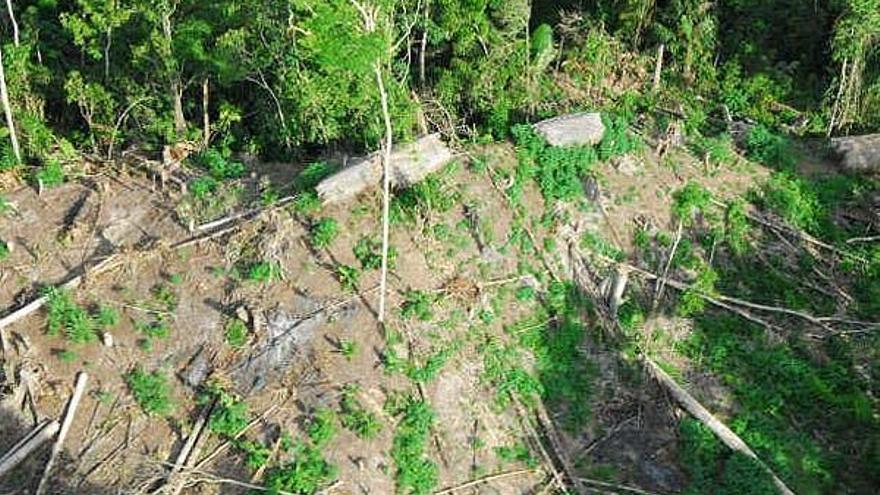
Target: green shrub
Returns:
[[368, 251], [219, 165], [417, 305], [764, 146], [518, 452], [690, 201], [793, 199], [322, 427], [201, 187], [230, 414], [312, 175], [692, 301], [51, 174], [348, 276], [557, 170], [306, 473], [415, 474], [236, 333], [263, 272], [617, 139], [66, 315], [151, 391], [324, 232], [4, 250]]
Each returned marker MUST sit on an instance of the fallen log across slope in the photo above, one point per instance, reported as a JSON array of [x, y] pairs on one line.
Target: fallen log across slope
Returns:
[[409, 164]]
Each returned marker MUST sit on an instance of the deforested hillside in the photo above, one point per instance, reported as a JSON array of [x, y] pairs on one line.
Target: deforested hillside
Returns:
[[451, 247]]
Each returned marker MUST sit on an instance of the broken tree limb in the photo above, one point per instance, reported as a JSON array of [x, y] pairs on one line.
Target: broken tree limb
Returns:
[[27, 445], [79, 389], [701, 414], [186, 457], [409, 163], [484, 480]]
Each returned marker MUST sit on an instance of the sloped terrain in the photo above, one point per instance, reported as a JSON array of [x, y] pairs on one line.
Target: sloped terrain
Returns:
[[490, 373]]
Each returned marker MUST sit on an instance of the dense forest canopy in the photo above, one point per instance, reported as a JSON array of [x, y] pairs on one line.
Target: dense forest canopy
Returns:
[[279, 78]]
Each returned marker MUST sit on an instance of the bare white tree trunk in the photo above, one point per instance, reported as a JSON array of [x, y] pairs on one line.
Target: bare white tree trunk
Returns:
[[658, 66], [15, 37], [206, 119], [7, 109], [386, 189]]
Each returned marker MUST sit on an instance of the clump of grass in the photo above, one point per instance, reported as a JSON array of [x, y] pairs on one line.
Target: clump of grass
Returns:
[[355, 417], [324, 232], [51, 174], [415, 473], [157, 329], [151, 391], [348, 348], [236, 333], [263, 272], [66, 315], [417, 305], [4, 250], [714, 149], [594, 242]]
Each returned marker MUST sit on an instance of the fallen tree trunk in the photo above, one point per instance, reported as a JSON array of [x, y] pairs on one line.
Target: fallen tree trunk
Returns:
[[409, 164], [859, 154], [701, 414]]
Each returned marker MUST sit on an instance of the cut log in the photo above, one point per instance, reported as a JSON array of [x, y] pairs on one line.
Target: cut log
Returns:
[[410, 163], [858, 153], [576, 129]]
